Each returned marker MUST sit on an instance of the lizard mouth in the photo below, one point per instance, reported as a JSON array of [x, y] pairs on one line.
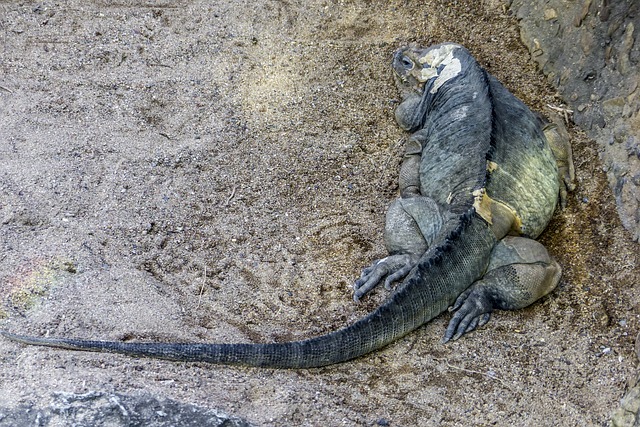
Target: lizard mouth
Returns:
[[402, 64], [404, 69]]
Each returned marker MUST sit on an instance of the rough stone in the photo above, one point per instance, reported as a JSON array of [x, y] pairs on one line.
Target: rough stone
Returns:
[[627, 414], [599, 83], [598, 80], [98, 409], [550, 14]]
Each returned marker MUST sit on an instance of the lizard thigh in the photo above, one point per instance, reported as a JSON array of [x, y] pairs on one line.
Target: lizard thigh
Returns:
[[520, 272], [412, 225]]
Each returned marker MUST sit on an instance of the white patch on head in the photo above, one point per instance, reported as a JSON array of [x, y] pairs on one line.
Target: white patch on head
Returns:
[[440, 56], [435, 58], [451, 70], [427, 73]]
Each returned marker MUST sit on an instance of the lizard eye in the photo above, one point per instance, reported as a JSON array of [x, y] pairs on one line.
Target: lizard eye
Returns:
[[407, 63]]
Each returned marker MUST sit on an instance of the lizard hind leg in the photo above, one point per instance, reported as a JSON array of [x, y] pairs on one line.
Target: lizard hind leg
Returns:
[[519, 273], [411, 227]]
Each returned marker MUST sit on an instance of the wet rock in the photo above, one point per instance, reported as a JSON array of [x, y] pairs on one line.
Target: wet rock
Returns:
[[600, 315], [625, 49], [591, 53]]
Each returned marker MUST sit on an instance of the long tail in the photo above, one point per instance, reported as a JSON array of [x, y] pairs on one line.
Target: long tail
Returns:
[[434, 284]]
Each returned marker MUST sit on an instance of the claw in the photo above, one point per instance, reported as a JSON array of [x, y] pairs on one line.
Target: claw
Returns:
[[473, 310], [484, 319], [558, 138], [400, 274], [460, 300], [394, 268]]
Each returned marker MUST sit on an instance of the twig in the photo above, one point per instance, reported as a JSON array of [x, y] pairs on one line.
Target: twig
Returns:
[[385, 166], [233, 193], [6, 89], [204, 281], [449, 198], [471, 371], [562, 111]]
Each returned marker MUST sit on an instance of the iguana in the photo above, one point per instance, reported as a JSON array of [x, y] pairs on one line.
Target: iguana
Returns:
[[478, 171]]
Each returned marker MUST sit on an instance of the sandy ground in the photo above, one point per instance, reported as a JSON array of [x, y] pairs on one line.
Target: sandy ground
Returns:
[[190, 170]]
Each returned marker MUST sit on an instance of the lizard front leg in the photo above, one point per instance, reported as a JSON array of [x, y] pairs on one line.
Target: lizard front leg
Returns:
[[409, 180], [412, 225]]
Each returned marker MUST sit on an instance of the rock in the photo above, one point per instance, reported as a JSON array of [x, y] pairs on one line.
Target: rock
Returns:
[[97, 408], [598, 79], [627, 414], [627, 43], [550, 14], [622, 418]]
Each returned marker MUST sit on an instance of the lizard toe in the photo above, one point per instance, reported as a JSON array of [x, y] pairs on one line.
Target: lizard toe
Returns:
[[473, 310], [394, 268]]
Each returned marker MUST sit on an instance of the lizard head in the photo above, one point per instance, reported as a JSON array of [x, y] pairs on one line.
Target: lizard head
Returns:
[[414, 66], [417, 68]]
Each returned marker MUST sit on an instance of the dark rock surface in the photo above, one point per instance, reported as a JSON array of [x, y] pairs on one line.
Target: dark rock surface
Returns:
[[99, 409], [588, 49]]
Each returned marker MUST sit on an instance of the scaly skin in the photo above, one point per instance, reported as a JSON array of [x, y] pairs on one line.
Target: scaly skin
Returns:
[[442, 234], [409, 307]]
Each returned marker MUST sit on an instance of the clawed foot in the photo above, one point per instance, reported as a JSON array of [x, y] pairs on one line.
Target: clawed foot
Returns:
[[558, 138], [474, 309], [567, 184], [394, 267]]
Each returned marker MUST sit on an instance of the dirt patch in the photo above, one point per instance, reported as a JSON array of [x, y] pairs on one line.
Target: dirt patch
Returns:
[[220, 172]]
